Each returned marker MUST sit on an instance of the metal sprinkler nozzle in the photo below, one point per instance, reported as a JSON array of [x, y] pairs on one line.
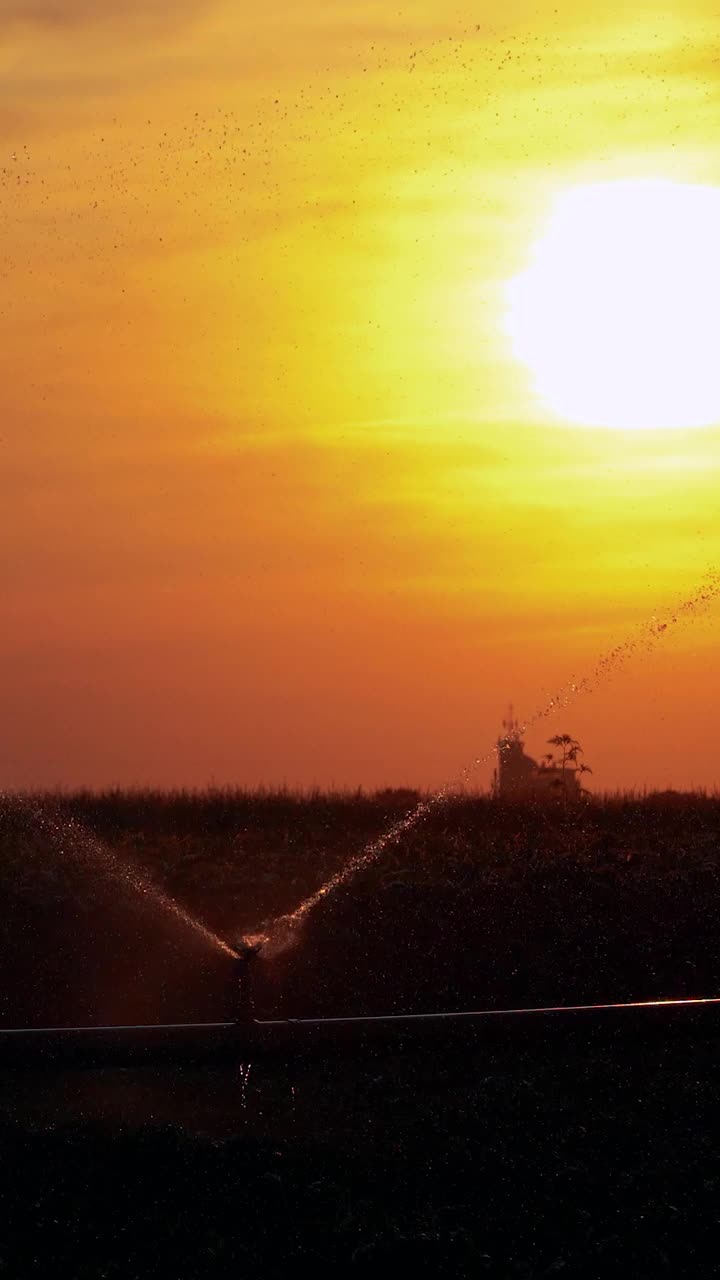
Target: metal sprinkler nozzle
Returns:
[[245, 952]]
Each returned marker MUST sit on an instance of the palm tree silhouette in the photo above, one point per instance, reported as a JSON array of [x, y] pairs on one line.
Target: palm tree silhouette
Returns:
[[570, 749]]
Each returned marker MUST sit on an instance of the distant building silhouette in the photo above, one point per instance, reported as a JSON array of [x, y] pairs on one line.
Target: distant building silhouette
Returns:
[[519, 777]]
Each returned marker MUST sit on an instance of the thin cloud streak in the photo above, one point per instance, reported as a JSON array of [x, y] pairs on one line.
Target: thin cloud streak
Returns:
[[58, 14]]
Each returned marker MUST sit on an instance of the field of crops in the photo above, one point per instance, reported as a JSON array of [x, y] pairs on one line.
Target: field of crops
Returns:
[[553, 1154], [478, 904]]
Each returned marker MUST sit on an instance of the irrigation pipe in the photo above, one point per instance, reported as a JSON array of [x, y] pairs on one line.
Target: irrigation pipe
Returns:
[[146, 1044], [374, 1019]]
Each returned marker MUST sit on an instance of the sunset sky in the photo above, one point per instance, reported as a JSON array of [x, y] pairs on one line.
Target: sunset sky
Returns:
[[279, 502]]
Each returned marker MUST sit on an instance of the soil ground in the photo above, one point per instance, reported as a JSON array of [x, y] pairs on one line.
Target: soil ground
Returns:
[[568, 1152]]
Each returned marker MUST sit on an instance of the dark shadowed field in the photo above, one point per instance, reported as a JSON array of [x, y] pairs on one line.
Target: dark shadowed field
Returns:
[[583, 1154], [478, 905]]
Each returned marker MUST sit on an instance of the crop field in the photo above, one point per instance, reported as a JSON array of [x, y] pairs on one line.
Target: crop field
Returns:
[[550, 1155], [479, 904]]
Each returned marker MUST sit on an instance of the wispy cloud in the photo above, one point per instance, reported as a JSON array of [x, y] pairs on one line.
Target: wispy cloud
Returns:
[[60, 14]]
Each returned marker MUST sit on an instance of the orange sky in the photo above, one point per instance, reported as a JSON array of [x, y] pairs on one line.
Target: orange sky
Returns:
[[278, 503]]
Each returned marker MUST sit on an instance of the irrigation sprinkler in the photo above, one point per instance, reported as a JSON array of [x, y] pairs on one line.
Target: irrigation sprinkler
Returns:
[[245, 953]]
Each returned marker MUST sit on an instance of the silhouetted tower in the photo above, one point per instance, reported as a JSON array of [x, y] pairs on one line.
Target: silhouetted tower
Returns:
[[515, 771], [519, 777]]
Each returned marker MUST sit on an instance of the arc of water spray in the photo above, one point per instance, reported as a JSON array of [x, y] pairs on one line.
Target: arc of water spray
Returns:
[[84, 843], [279, 933]]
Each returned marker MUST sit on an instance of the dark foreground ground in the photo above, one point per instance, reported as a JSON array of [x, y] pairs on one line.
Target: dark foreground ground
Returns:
[[548, 1154], [544, 1159]]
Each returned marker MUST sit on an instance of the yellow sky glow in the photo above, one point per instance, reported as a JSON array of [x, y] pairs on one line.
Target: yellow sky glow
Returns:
[[280, 501]]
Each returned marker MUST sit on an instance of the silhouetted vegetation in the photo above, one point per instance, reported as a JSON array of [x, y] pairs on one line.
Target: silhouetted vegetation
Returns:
[[571, 1156], [613, 897]]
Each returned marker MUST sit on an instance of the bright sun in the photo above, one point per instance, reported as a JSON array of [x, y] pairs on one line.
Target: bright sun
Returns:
[[617, 314]]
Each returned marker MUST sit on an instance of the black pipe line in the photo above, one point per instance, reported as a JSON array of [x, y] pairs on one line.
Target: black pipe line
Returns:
[[484, 1013], [115, 1026], [365, 1019]]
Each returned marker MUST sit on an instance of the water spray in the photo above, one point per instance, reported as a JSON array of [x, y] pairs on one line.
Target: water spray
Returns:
[[83, 843], [281, 933]]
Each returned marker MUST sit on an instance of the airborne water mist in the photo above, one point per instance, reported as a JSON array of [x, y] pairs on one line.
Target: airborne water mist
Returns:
[[281, 933], [69, 836]]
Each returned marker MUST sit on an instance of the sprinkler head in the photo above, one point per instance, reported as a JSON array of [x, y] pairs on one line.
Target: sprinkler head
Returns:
[[246, 950]]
